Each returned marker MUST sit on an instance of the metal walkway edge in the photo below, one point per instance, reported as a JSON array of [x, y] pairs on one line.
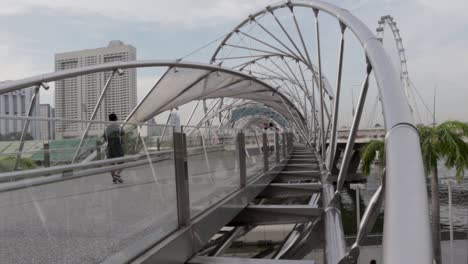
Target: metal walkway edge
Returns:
[[292, 197]]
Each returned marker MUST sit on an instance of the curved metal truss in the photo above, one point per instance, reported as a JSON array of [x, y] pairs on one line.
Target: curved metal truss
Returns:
[[255, 115], [275, 45], [203, 80], [275, 64]]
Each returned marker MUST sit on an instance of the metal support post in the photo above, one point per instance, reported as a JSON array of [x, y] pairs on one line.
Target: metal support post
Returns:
[[449, 183], [320, 84], [450, 221], [95, 110], [336, 101], [265, 151], [284, 147], [290, 142], [26, 123], [181, 177], [277, 147], [242, 165], [98, 150], [46, 155], [357, 187], [352, 133]]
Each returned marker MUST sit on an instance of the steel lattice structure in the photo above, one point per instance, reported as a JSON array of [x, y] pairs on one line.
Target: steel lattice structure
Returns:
[[283, 70]]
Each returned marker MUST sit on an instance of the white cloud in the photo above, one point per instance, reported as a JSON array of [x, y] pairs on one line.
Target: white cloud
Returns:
[[449, 7], [180, 12], [446, 60], [14, 66]]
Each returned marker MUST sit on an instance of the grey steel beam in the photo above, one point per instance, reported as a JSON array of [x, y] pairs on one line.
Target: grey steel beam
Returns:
[[287, 244], [264, 43], [277, 147], [296, 178], [319, 56], [252, 49], [242, 163], [96, 108], [265, 151], [46, 155], [230, 237], [181, 177], [304, 46], [290, 189], [285, 146], [298, 186], [276, 215], [219, 260], [335, 246], [311, 236], [352, 133], [26, 124], [314, 113], [287, 35], [193, 112], [337, 99], [276, 38]]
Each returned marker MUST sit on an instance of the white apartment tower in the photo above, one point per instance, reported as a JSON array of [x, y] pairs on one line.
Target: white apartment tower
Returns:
[[47, 127], [75, 98], [16, 103]]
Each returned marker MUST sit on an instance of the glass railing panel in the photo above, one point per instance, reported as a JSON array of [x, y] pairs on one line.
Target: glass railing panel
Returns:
[[271, 147], [213, 165], [254, 154], [83, 216]]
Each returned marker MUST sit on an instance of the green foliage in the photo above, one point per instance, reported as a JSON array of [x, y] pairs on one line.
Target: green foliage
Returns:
[[7, 164], [373, 151], [15, 136], [445, 141], [131, 143]]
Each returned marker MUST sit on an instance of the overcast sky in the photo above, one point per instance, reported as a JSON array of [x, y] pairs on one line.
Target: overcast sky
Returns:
[[435, 35]]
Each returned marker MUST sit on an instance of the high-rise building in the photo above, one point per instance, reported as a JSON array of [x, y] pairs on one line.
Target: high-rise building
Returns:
[[174, 120], [47, 127], [75, 98], [16, 103]]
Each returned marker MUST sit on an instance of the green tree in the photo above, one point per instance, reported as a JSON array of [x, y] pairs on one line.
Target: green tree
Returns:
[[442, 142], [15, 136], [7, 163]]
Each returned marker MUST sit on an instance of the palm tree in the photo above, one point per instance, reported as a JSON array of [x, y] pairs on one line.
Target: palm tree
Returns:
[[442, 142]]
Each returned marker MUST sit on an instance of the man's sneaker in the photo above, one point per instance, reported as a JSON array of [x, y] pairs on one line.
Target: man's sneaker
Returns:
[[118, 179]]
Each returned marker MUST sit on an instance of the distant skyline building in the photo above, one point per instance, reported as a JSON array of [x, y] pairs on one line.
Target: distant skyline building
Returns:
[[174, 120], [153, 128], [47, 128], [75, 98], [16, 103]]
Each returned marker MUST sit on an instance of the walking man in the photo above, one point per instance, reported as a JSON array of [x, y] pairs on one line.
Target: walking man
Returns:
[[113, 134]]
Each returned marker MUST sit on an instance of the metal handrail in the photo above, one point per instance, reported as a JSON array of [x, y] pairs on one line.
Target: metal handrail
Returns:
[[39, 172]]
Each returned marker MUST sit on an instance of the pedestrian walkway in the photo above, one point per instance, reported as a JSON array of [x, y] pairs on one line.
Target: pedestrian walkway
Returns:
[[293, 198]]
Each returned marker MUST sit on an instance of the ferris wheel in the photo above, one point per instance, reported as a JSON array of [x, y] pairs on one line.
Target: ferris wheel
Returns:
[[415, 100]]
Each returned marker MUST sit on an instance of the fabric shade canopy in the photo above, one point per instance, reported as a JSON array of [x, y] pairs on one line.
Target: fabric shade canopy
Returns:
[[180, 85]]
